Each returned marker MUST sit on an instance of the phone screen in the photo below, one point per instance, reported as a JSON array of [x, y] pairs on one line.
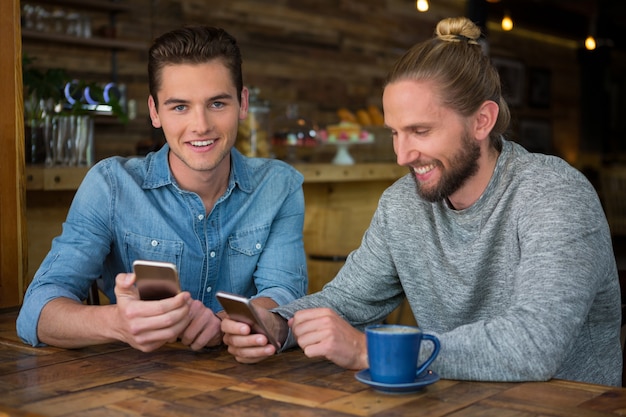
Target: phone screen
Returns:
[[156, 280], [241, 309]]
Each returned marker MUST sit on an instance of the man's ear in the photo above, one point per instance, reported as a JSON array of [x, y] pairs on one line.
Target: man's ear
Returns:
[[243, 108], [154, 114], [485, 119]]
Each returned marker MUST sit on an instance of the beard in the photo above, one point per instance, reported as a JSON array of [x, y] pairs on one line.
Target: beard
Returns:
[[463, 165]]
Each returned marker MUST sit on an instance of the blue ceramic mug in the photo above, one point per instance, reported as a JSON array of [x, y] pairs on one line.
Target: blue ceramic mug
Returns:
[[393, 352]]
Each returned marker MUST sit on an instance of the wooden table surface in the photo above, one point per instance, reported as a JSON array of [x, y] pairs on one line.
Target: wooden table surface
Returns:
[[115, 380]]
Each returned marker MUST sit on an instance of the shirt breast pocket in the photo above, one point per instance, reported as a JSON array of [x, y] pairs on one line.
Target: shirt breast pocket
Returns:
[[248, 242], [244, 250], [152, 248]]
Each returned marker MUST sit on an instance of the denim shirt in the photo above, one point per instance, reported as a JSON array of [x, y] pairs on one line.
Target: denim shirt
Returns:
[[132, 208]]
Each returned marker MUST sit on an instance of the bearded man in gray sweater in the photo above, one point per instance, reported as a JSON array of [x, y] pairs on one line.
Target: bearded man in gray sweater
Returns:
[[503, 254]]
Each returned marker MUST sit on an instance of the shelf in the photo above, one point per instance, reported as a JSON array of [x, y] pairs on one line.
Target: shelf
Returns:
[[102, 5], [374, 171], [88, 42], [39, 177]]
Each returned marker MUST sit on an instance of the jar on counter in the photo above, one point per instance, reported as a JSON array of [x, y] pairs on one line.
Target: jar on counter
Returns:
[[253, 134], [291, 132]]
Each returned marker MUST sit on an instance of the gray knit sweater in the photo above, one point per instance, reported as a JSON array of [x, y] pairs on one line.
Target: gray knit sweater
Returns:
[[520, 286]]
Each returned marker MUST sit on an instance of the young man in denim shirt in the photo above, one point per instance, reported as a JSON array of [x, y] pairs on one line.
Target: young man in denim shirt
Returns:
[[227, 222]]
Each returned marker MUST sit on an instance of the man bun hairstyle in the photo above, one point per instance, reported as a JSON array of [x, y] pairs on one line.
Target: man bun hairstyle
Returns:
[[464, 76]]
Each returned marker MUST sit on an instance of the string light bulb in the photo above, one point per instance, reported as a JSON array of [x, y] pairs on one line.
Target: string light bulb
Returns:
[[590, 43], [422, 5], [507, 22]]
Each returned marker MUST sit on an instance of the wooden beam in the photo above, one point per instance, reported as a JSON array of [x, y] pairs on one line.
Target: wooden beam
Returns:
[[12, 195]]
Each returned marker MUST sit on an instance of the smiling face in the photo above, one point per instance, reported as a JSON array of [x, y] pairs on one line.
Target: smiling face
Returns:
[[436, 143], [199, 112], [462, 165]]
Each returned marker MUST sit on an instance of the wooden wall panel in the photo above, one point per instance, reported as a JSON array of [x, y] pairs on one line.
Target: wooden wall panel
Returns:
[[12, 201], [320, 54]]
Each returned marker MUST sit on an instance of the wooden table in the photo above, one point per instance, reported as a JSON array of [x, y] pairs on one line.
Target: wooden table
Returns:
[[115, 380]]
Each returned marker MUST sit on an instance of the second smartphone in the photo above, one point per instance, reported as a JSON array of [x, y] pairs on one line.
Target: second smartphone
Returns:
[[241, 309]]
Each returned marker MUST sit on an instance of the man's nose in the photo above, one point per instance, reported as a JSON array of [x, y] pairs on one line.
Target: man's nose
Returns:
[[405, 150], [201, 121]]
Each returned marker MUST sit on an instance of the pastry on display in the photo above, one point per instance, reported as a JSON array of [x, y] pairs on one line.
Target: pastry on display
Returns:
[[345, 132]]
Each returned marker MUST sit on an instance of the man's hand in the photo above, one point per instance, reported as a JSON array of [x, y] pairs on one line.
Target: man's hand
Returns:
[[252, 348], [148, 325], [204, 328], [321, 332]]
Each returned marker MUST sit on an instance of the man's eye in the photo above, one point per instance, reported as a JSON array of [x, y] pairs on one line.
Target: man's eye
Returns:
[[217, 104], [180, 107]]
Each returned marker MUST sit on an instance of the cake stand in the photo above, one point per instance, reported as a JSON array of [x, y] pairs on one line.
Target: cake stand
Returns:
[[343, 157], [343, 143]]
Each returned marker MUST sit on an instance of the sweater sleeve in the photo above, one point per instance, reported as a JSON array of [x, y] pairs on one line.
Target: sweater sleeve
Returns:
[[366, 289]]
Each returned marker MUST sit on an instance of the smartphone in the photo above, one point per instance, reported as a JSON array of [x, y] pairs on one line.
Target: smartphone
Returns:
[[156, 280], [241, 309]]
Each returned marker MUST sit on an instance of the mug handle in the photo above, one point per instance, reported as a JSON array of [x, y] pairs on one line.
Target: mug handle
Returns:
[[433, 355]]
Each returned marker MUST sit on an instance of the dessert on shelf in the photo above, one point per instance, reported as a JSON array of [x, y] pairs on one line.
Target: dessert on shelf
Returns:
[[345, 132], [349, 131]]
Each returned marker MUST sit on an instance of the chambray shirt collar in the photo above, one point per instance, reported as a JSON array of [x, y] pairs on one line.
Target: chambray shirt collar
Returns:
[[158, 173]]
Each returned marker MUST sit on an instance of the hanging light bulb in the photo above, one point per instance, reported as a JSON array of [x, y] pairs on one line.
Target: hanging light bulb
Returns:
[[507, 22], [422, 5], [590, 43]]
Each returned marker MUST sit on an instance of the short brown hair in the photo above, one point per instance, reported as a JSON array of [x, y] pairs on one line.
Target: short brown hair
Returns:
[[194, 45]]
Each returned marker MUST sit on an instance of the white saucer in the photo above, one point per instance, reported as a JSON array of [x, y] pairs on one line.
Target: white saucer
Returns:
[[426, 378]]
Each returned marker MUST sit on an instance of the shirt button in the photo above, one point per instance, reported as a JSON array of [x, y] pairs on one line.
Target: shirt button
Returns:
[[155, 243], [258, 246], [212, 254], [208, 289], [200, 216]]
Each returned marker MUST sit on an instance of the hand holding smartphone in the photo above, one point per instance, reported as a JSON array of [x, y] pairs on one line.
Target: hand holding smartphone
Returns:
[[156, 280], [241, 309]]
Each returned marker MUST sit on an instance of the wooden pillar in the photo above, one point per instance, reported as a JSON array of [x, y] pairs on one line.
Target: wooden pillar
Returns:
[[12, 197]]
